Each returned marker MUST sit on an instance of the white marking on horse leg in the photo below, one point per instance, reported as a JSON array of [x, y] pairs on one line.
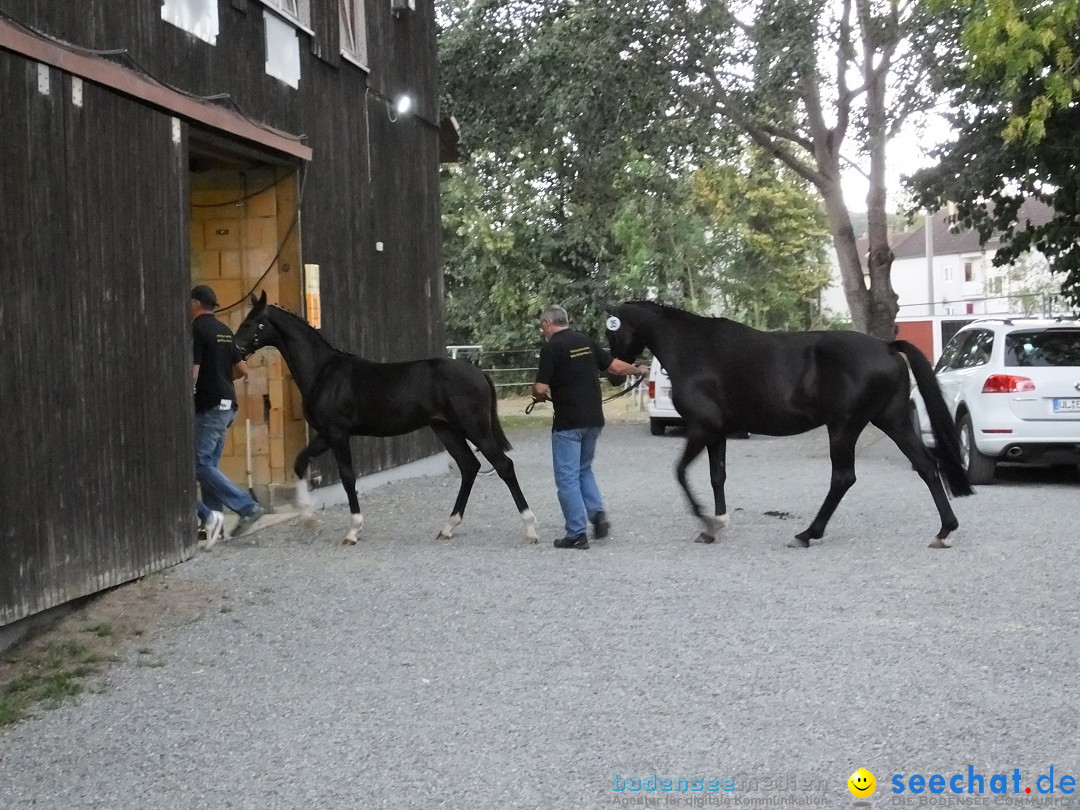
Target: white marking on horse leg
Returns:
[[719, 523], [447, 531], [531, 535], [354, 532], [714, 525], [304, 502]]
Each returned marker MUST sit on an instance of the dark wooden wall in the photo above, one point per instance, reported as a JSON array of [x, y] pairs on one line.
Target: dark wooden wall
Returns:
[[97, 482], [96, 469]]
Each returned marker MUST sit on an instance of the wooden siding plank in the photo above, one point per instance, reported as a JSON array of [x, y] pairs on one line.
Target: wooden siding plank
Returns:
[[369, 180], [99, 493]]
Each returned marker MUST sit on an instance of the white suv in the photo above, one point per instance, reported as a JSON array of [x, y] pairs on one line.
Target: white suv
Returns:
[[1013, 388], [662, 413]]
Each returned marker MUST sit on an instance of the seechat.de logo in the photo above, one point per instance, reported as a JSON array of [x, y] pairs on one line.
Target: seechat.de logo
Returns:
[[862, 784]]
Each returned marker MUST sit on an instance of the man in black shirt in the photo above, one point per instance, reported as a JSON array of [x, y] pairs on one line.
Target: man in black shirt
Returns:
[[217, 362], [570, 363]]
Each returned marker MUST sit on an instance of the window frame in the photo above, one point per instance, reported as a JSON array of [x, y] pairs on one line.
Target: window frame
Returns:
[[303, 18], [347, 11]]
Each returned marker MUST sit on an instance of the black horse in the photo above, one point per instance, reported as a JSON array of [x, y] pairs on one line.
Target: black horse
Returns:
[[728, 377], [345, 395]]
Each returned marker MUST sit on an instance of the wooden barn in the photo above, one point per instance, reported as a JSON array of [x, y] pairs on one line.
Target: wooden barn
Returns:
[[149, 145]]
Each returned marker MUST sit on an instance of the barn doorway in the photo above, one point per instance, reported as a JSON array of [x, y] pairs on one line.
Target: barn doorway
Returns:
[[244, 235]]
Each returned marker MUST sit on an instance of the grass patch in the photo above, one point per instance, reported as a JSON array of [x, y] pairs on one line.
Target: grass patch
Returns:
[[57, 675], [522, 420], [73, 655], [47, 674]]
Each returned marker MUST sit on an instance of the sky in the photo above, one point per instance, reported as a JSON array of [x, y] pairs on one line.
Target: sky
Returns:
[[904, 156]]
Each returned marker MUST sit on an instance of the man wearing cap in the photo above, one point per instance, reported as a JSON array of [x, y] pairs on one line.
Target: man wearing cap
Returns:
[[569, 375], [217, 362]]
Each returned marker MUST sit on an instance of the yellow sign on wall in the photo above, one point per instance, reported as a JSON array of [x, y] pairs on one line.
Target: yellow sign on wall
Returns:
[[312, 300]]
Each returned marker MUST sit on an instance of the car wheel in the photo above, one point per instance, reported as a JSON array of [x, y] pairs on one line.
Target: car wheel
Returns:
[[656, 427], [980, 468]]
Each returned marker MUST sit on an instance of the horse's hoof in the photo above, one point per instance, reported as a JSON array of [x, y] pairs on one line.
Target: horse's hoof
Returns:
[[704, 538], [443, 536], [939, 543], [349, 541], [531, 541], [799, 542]]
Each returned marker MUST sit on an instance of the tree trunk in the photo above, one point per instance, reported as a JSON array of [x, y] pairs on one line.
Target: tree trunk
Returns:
[[882, 304], [847, 255]]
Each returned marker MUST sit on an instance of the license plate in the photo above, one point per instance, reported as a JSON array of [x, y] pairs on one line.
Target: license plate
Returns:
[[1067, 406]]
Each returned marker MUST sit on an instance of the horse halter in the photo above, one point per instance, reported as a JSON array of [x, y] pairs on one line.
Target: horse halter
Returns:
[[254, 343]]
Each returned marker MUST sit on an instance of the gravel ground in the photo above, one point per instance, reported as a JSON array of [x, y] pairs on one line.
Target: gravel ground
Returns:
[[481, 673]]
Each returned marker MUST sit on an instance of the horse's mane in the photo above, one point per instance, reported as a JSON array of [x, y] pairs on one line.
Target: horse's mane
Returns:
[[300, 321], [671, 311]]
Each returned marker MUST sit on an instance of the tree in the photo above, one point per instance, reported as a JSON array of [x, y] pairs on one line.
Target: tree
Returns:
[[662, 240], [572, 126], [666, 75], [1012, 75], [771, 235], [809, 80]]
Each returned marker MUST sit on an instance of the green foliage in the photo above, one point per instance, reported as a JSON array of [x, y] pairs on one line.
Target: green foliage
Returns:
[[1030, 52], [581, 134], [1013, 79], [773, 235]]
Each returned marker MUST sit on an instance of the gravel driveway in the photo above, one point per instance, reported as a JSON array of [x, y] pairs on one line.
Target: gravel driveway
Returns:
[[481, 673]]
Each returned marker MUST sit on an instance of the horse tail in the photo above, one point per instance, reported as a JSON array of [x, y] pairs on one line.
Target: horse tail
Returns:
[[946, 436], [496, 428]]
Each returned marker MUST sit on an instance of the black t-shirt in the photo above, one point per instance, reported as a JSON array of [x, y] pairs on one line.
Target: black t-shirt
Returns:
[[569, 362], [214, 352]]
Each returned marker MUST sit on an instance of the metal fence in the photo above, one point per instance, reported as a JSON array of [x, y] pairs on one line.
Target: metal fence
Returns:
[[514, 371]]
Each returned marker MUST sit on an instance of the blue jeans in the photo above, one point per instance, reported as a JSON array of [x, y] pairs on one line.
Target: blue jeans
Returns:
[[217, 490], [572, 454]]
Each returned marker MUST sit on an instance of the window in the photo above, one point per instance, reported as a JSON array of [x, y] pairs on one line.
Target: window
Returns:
[[1050, 347], [948, 274], [974, 350], [353, 30], [994, 285], [949, 353], [197, 17], [969, 271], [282, 50], [299, 11]]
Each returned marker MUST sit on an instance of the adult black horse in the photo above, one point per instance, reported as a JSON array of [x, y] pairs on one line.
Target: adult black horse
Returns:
[[728, 377], [345, 395]]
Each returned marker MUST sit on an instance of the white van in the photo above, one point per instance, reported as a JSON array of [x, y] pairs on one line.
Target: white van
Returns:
[[662, 413]]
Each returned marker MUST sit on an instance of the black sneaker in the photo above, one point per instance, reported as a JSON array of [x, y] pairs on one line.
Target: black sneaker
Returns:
[[246, 521], [601, 527], [577, 541]]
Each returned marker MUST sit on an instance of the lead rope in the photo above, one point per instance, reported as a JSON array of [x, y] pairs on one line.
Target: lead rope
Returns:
[[623, 392]]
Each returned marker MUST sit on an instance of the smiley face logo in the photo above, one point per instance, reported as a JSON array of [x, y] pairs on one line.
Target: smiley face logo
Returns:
[[613, 324], [862, 783]]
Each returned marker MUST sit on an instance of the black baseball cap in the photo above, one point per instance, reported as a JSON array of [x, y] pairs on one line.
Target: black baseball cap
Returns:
[[204, 295]]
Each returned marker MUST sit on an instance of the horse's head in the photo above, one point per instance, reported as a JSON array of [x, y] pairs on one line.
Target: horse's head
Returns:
[[257, 330], [625, 342]]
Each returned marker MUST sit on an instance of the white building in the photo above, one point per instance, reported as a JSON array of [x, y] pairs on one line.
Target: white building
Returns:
[[963, 279]]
